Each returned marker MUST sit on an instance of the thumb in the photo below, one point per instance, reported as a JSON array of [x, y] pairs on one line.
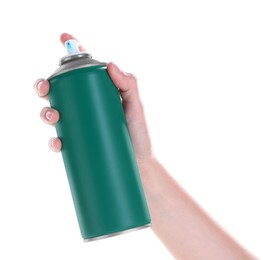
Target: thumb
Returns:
[[125, 82]]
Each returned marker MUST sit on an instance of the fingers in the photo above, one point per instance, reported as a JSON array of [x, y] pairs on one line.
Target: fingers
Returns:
[[66, 36], [55, 144], [41, 87], [49, 115], [126, 82]]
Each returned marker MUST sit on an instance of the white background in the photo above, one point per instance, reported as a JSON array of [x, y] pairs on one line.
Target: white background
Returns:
[[199, 68]]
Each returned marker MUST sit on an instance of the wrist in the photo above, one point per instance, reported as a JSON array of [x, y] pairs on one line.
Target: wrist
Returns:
[[149, 169], [146, 164]]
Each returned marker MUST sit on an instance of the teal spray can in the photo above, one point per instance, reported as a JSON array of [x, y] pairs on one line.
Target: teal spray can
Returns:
[[96, 148]]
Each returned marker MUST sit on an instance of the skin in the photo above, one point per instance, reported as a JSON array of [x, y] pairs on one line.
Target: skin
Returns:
[[179, 222]]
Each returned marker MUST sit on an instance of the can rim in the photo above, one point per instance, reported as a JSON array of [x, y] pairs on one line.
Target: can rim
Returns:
[[117, 233], [76, 56]]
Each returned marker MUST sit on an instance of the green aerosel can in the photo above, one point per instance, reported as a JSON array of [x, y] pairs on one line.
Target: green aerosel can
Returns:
[[96, 148]]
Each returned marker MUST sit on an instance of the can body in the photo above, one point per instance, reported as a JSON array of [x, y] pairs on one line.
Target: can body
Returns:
[[97, 152]]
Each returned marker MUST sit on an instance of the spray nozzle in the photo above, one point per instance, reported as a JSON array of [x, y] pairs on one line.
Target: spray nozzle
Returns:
[[74, 53], [72, 47]]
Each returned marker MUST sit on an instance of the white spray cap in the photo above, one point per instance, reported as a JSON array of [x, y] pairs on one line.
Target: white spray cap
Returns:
[[72, 47]]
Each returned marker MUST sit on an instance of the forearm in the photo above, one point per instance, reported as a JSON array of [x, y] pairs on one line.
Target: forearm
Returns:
[[183, 227]]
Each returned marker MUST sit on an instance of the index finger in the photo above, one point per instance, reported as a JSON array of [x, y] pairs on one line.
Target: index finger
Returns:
[[66, 36]]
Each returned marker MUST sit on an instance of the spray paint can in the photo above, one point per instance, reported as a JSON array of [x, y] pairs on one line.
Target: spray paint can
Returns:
[[96, 148]]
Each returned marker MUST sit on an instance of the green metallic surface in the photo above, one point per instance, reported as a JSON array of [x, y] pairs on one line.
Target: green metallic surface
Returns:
[[97, 152]]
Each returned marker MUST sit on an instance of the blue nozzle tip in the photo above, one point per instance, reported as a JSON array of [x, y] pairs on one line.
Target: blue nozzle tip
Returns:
[[72, 47]]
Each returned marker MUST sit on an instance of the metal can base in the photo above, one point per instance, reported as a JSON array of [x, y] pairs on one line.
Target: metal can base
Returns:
[[116, 233]]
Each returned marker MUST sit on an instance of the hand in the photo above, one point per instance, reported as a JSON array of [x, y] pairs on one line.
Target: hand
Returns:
[[133, 108], [171, 208]]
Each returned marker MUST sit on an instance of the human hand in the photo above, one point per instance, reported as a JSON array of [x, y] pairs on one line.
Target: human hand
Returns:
[[133, 108]]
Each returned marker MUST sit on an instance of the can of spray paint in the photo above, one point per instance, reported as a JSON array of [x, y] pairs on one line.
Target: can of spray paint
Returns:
[[96, 148]]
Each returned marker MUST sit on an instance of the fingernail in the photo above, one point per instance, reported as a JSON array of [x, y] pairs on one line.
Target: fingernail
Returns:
[[55, 144], [51, 143], [38, 84], [49, 115]]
